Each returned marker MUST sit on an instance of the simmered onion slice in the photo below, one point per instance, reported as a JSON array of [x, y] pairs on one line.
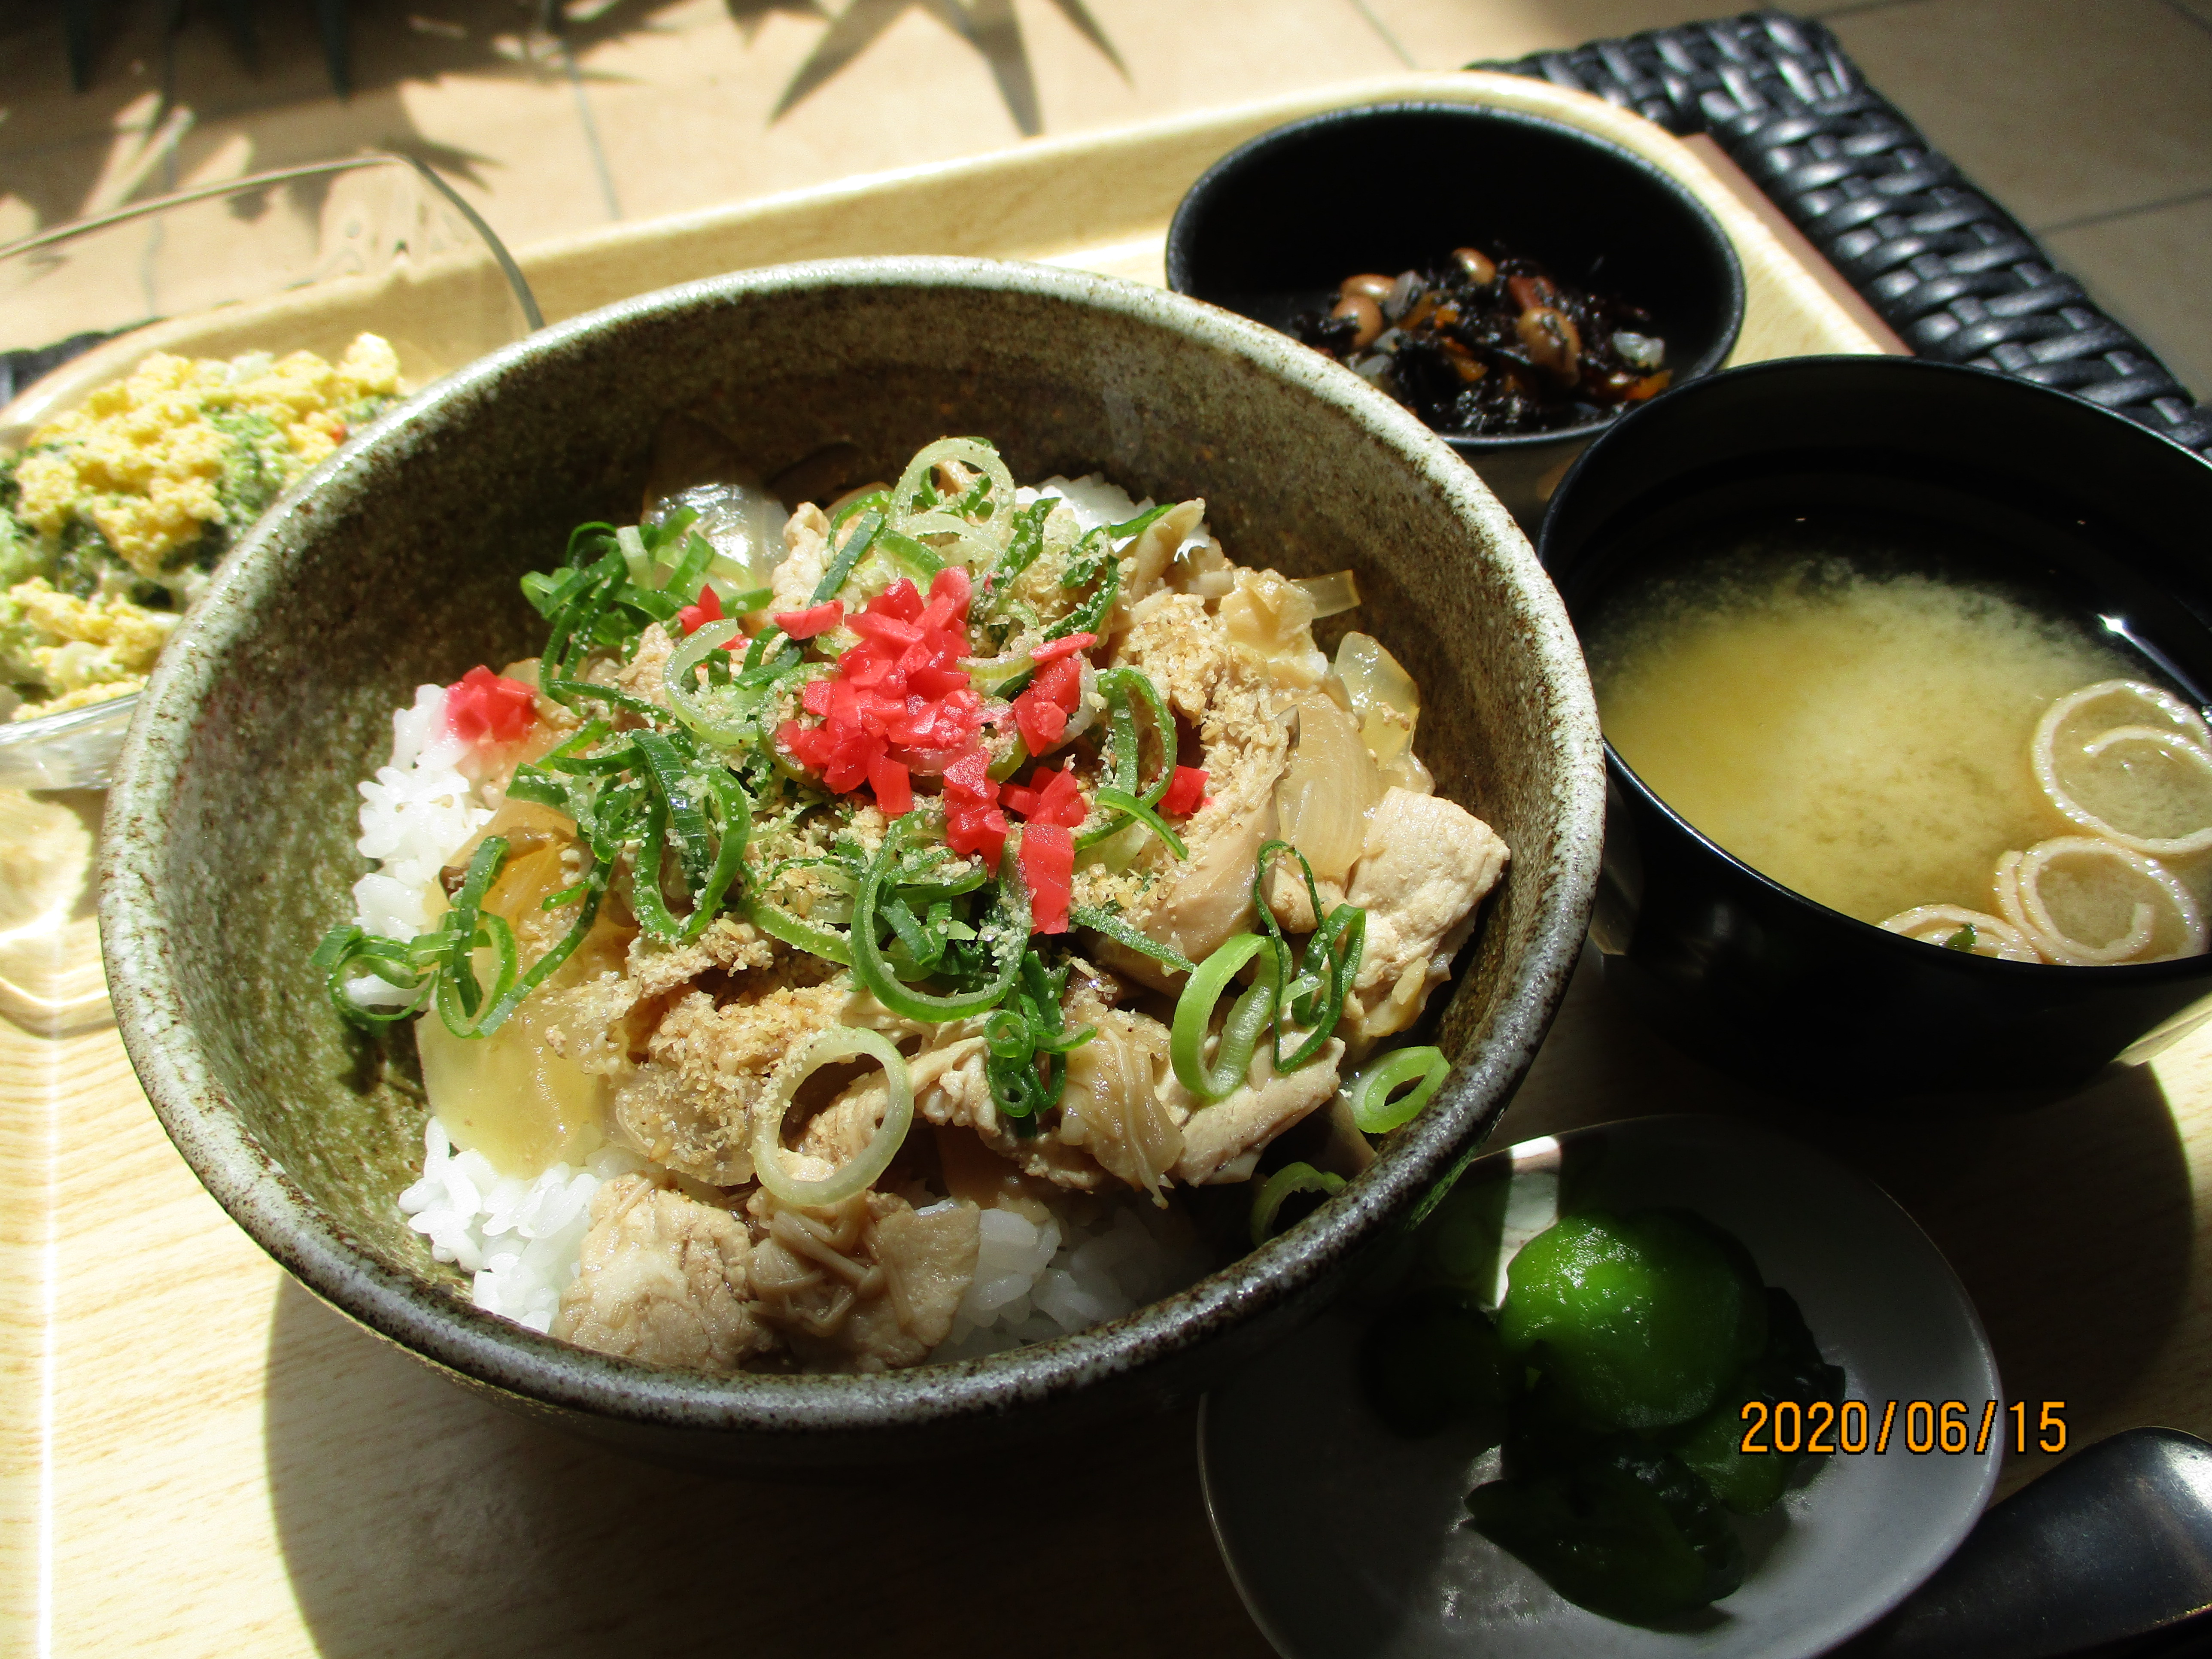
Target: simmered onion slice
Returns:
[[2161, 921], [1329, 785], [839, 1042], [1939, 924], [2169, 753]]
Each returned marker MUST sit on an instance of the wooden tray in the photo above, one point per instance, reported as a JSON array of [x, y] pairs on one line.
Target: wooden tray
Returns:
[[198, 1457]]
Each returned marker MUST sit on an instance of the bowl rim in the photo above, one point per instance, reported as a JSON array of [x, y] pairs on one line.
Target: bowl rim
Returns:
[[439, 1326], [2063, 403], [1199, 198]]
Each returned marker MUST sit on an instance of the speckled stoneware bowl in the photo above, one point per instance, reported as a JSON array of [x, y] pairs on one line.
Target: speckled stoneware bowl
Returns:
[[229, 839]]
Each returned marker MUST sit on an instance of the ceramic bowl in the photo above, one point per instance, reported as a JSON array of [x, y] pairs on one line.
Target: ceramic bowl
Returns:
[[1274, 226], [230, 833], [2098, 515]]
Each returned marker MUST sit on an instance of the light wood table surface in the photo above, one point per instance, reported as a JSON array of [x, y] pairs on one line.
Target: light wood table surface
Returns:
[[196, 1457]]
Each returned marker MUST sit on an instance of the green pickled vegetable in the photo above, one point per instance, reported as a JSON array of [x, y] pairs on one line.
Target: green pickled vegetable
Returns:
[[1434, 1359], [1618, 1369], [1788, 1368], [1623, 1528], [1642, 1319]]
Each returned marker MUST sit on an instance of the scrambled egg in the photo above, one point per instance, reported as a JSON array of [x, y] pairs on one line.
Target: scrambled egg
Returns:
[[128, 498], [103, 647]]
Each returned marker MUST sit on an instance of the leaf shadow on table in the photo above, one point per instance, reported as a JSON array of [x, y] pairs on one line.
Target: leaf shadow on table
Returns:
[[2071, 1226], [415, 1518], [989, 26]]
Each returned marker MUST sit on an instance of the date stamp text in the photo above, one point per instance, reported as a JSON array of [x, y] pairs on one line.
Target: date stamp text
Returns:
[[1919, 1425]]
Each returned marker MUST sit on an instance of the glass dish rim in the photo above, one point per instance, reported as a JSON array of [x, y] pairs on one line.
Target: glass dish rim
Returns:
[[516, 282]]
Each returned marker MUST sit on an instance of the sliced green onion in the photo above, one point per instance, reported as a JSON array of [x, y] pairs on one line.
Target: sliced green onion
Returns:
[[710, 720], [1090, 616], [620, 758], [1022, 547], [1115, 800], [925, 889], [1115, 928], [546, 965], [1327, 971], [690, 570], [681, 790], [777, 922], [839, 1043], [464, 1006], [348, 949], [1240, 1033], [980, 543], [1284, 1183], [652, 912], [842, 563], [568, 690], [1129, 529], [921, 561], [457, 936], [635, 559], [872, 501], [875, 973], [1117, 686], [1368, 1091], [737, 815]]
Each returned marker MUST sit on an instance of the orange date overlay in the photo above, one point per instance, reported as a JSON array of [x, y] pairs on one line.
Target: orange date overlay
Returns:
[[1923, 1425]]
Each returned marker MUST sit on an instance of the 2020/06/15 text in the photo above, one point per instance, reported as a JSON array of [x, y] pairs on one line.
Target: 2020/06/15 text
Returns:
[[1945, 1426]]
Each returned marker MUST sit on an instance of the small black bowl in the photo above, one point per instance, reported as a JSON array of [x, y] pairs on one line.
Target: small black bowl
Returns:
[[2103, 518], [1273, 227]]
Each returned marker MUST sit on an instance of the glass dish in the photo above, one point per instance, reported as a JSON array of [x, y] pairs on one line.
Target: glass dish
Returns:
[[304, 258]]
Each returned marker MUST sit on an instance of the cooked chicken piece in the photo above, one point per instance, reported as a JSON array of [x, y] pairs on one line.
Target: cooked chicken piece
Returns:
[[1183, 649], [657, 967], [950, 1085], [868, 1286], [646, 674], [707, 1069], [840, 1131], [1146, 559], [985, 1179], [928, 1259], [1427, 864], [1048, 1158], [662, 1279], [1202, 568], [806, 559], [1111, 1108], [1267, 612], [1196, 903], [1223, 1142]]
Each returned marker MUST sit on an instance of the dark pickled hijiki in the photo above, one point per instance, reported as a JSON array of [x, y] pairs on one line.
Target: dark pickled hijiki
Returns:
[[1479, 347]]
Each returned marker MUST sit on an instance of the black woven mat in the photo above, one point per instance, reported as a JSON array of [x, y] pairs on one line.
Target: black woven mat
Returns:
[[1951, 271]]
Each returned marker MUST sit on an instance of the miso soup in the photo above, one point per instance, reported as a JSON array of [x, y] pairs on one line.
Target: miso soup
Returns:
[[1843, 711]]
